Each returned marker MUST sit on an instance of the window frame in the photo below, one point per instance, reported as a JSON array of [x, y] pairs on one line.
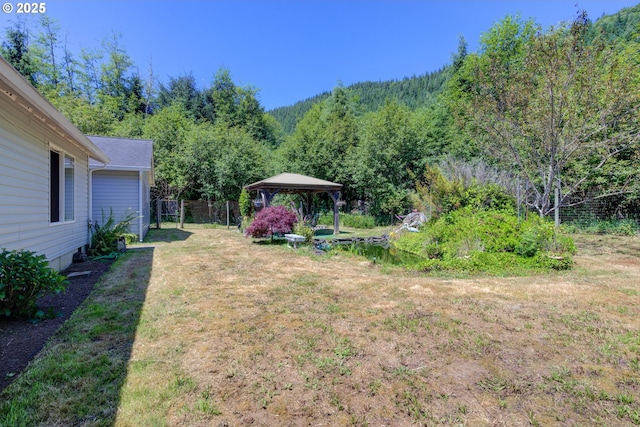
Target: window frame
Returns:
[[64, 215]]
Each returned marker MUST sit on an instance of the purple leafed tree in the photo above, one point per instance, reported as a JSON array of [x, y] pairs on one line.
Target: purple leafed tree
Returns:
[[270, 221]]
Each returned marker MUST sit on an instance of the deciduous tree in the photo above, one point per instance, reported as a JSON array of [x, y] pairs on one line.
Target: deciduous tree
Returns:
[[550, 106]]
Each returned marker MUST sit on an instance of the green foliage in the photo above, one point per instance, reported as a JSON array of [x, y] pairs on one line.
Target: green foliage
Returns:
[[349, 220], [245, 203], [218, 161], [624, 227], [24, 277], [104, 238], [15, 49], [357, 221], [168, 129], [489, 196], [621, 27], [326, 218], [488, 240], [414, 92], [386, 157], [322, 141], [373, 137], [554, 106], [438, 195], [303, 230]]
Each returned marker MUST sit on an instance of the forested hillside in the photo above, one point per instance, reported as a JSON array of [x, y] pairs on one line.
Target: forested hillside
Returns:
[[415, 92], [547, 108]]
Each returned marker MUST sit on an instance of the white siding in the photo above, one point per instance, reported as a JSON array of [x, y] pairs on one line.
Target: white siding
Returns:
[[117, 191], [24, 189], [146, 204]]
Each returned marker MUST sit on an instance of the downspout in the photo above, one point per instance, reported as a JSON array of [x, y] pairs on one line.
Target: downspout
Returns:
[[140, 211], [91, 171]]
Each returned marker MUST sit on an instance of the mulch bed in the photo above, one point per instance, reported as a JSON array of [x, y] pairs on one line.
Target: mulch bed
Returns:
[[21, 340]]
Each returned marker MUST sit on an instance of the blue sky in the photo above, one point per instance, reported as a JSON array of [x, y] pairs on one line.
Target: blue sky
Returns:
[[293, 50]]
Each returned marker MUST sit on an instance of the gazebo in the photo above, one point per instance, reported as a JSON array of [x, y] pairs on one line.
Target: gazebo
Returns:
[[306, 186]]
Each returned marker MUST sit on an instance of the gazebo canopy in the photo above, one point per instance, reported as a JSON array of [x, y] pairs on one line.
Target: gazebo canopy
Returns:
[[293, 183]]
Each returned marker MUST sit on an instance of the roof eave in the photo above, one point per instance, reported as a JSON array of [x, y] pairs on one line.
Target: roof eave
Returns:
[[19, 89], [121, 168]]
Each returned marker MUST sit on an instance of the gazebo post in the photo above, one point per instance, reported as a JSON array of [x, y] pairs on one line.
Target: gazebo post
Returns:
[[335, 196], [264, 198], [309, 199]]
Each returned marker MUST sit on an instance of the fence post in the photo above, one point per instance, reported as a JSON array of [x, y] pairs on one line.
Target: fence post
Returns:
[[518, 197], [557, 205], [158, 213], [182, 213], [227, 214]]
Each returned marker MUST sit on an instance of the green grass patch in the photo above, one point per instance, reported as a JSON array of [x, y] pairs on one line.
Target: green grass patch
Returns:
[[76, 379], [233, 333]]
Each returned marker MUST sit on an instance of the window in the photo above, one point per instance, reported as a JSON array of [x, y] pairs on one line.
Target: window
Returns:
[[61, 186], [54, 186], [68, 188]]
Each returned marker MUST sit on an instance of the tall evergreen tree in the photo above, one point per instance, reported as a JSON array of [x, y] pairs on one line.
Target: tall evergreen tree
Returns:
[[15, 49], [184, 91]]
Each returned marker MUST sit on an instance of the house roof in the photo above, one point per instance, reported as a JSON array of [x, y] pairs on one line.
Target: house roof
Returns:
[[125, 154], [18, 89], [294, 183]]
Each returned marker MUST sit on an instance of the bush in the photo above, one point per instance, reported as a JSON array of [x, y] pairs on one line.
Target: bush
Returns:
[[104, 239], [24, 277], [245, 203], [270, 221], [438, 195], [303, 230], [325, 219], [489, 241], [349, 220], [358, 221]]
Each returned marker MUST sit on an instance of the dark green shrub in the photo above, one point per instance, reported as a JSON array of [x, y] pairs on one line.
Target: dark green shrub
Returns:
[[24, 277]]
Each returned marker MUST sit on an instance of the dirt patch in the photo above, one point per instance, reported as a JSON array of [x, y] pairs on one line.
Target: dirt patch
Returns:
[[21, 340]]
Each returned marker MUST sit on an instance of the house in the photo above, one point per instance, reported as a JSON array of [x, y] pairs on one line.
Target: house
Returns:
[[122, 186], [44, 174]]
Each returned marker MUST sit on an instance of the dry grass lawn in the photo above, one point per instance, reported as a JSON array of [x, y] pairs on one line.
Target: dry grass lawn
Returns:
[[236, 333]]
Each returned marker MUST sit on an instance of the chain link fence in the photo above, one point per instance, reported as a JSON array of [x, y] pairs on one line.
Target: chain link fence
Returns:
[[196, 212], [204, 212]]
